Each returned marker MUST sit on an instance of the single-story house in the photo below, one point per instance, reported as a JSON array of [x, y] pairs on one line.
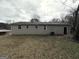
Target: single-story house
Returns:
[[40, 28]]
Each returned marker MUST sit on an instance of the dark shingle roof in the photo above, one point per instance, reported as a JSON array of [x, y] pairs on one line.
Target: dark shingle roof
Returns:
[[39, 23]]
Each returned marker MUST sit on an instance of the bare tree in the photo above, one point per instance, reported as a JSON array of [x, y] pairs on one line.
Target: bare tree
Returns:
[[76, 24], [34, 20], [55, 20], [73, 19]]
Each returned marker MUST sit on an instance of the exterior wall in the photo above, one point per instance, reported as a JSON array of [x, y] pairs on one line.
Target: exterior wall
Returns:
[[56, 29], [39, 30]]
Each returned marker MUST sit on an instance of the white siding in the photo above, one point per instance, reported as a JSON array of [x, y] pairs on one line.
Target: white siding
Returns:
[[39, 30]]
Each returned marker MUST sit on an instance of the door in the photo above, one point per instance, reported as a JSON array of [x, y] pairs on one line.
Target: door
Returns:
[[65, 30]]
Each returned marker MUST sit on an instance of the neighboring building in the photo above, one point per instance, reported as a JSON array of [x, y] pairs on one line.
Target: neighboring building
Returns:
[[40, 28], [4, 28]]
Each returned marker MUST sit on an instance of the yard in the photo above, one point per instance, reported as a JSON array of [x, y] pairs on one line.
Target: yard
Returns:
[[38, 47]]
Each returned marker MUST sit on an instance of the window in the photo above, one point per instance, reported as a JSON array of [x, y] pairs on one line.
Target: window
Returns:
[[45, 27], [36, 27], [19, 26], [27, 26]]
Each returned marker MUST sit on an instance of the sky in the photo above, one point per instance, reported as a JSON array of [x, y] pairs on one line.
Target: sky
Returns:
[[25, 10]]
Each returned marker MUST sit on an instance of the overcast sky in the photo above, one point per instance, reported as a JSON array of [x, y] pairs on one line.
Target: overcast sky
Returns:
[[24, 10]]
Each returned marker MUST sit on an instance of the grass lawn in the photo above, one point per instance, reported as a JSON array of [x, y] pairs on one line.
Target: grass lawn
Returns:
[[38, 47]]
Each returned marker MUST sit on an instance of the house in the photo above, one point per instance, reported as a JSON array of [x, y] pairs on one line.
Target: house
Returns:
[[40, 28]]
